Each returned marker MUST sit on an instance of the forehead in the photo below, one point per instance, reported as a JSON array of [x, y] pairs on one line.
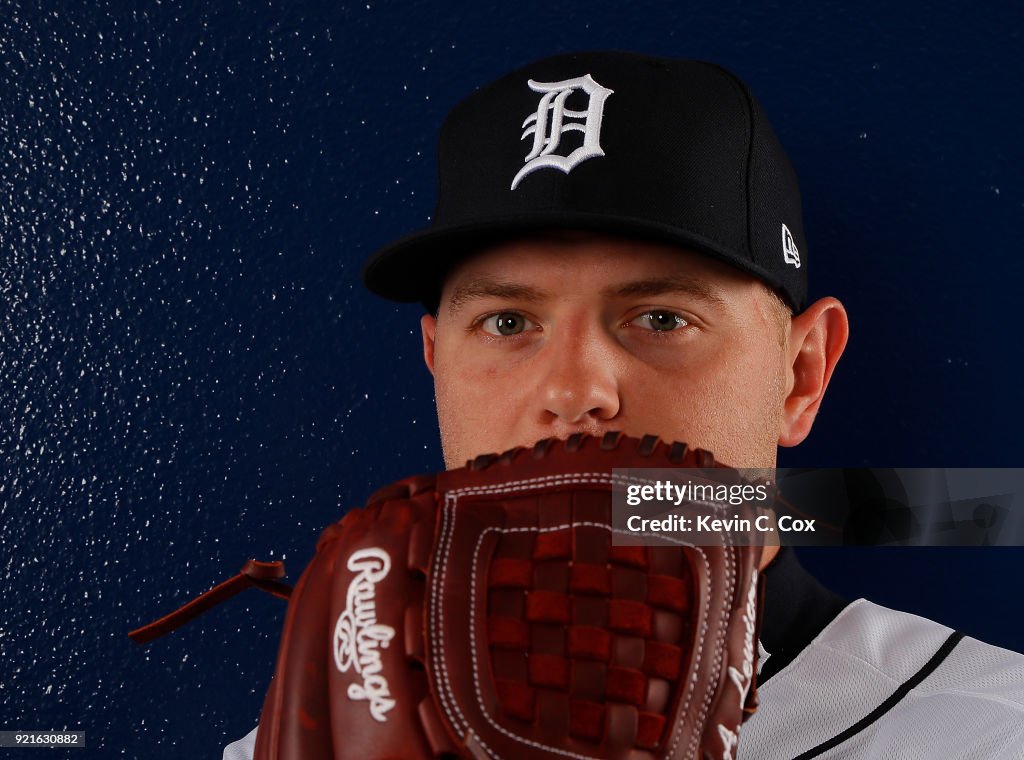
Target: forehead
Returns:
[[563, 262]]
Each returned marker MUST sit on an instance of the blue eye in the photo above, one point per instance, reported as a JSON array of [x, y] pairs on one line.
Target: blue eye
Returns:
[[662, 321], [506, 323]]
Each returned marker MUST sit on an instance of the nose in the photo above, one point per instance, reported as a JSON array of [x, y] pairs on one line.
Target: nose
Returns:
[[579, 385]]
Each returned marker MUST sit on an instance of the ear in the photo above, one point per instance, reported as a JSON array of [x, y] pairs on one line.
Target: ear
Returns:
[[817, 338], [428, 326]]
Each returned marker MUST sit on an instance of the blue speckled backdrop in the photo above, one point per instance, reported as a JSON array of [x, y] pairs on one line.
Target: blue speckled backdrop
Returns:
[[190, 374]]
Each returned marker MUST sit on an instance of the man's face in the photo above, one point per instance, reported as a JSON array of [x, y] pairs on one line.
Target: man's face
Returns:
[[552, 336]]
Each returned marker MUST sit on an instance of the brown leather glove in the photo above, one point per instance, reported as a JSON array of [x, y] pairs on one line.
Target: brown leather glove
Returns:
[[484, 613]]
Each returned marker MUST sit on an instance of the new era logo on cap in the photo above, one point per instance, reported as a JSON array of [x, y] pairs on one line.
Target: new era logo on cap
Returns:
[[790, 253], [552, 119]]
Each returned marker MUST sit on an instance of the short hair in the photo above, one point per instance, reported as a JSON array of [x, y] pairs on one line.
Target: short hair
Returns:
[[781, 313]]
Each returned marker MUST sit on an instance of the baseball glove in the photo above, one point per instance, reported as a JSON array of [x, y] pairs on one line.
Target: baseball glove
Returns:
[[484, 612]]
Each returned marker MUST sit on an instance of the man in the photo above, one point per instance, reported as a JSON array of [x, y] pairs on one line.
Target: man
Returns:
[[618, 245]]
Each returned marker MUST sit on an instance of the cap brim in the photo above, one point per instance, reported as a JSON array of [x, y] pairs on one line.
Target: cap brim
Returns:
[[413, 268]]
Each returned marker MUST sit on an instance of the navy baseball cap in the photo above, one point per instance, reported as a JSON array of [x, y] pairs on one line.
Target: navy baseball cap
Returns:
[[611, 142]]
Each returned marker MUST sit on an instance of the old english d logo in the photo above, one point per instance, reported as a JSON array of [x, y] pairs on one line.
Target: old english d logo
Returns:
[[552, 119]]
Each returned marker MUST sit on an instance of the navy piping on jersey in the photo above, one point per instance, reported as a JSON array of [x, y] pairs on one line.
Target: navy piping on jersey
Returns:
[[929, 667]]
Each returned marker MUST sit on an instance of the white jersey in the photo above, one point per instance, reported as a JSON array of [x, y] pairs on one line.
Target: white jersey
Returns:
[[861, 682], [877, 684], [243, 749]]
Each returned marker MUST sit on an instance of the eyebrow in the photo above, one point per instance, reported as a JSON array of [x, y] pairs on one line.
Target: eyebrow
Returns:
[[675, 285], [486, 287]]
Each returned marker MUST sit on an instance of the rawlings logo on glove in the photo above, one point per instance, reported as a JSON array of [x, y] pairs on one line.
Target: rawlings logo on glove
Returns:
[[358, 637]]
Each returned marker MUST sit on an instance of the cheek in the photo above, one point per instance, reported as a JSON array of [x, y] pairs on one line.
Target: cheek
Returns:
[[729, 404], [750, 409], [457, 417], [471, 390], [477, 405]]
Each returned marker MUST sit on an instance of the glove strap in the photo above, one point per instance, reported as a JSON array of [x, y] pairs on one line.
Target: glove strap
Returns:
[[262, 575]]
